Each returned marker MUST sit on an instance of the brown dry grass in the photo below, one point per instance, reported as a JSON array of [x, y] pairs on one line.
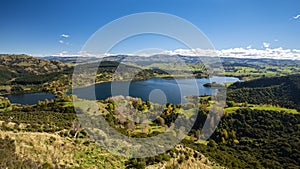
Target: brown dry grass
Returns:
[[59, 152]]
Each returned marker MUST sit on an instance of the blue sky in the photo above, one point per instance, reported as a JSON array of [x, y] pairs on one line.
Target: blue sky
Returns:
[[35, 26]]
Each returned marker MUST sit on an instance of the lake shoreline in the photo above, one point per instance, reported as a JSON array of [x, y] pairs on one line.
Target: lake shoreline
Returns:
[[141, 88], [166, 78]]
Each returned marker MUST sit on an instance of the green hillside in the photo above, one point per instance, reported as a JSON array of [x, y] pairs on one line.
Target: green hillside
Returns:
[[24, 64], [21, 72], [14, 66], [283, 91], [254, 139]]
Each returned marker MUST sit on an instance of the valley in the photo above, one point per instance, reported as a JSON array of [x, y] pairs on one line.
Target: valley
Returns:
[[259, 124]]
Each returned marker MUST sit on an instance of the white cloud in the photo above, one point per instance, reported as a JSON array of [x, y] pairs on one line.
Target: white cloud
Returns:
[[266, 45], [63, 39], [66, 54], [268, 53], [86, 54], [275, 53], [297, 16], [249, 47], [191, 52], [63, 53], [65, 35]]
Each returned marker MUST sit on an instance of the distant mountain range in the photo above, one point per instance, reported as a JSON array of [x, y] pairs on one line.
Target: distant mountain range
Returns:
[[165, 58]]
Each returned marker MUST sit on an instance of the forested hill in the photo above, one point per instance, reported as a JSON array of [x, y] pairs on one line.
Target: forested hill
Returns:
[[30, 65], [283, 91], [13, 67]]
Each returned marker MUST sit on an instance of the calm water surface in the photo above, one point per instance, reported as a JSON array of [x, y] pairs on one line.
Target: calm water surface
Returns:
[[30, 98], [155, 90]]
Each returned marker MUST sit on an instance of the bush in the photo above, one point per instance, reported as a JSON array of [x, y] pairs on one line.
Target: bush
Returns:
[[181, 159], [47, 166], [212, 143]]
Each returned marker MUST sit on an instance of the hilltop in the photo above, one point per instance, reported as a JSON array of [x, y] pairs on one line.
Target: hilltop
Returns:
[[22, 72], [24, 65], [15, 66]]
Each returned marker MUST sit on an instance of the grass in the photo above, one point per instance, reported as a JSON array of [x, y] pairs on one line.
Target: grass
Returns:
[[185, 157], [273, 108], [188, 113], [261, 107], [3, 87], [6, 109], [227, 84], [249, 73], [153, 128], [3, 109], [53, 150]]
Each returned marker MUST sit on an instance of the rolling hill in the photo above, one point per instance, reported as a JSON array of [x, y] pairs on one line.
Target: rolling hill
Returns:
[[283, 91], [16, 66], [24, 64], [27, 70]]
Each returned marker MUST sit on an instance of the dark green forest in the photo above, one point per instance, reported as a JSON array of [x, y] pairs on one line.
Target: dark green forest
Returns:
[[255, 139], [283, 91]]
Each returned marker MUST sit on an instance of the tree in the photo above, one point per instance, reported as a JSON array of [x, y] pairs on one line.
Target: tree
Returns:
[[17, 89], [198, 134], [160, 121], [76, 127], [225, 134], [130, 125], [111, 107], [230, 103], [212, 143]]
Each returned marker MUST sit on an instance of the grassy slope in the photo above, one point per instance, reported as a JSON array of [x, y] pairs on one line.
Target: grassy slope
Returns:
[[261, 107], [53, 150], [192, 159], [36, 149]]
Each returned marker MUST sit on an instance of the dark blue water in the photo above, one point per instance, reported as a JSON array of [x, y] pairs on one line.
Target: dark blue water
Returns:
[[30, 98], [155, 90]]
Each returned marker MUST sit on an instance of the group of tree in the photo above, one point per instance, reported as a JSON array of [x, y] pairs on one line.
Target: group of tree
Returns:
[[283, 91], [4, 103], [253, 139]]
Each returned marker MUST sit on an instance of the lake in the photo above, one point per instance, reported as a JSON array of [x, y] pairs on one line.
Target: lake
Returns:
[[30, 98], [156, 90]]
